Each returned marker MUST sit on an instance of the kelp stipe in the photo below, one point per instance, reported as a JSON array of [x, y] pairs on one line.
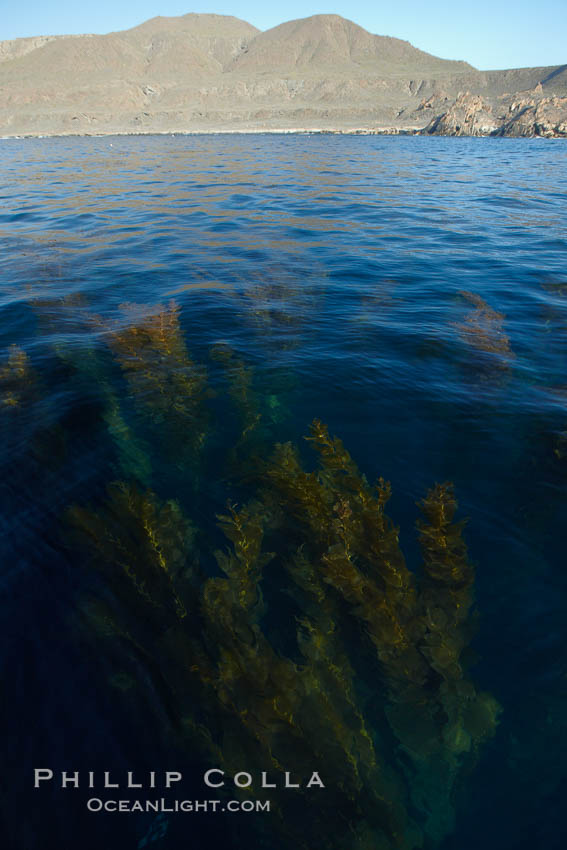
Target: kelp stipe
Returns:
[[141, 543], [18, 383], [357, 549], [20, 392], [245, 563], [89, 369], [132, 452], [291, 709], [249, 674], [28, 423], [447, 597], [163, 381], [143, 548], [242, 395]]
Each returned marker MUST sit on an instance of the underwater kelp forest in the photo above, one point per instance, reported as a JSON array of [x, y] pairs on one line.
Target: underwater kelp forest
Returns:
[[289, 518], [361, 673]]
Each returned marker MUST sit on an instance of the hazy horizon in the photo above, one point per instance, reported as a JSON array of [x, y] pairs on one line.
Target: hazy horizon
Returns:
[[489, 37]]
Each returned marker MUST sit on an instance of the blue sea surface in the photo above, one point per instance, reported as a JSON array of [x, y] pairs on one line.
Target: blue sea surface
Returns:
[[409, 292]]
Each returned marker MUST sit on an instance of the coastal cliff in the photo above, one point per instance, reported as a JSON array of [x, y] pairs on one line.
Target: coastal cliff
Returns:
[[527, 114]]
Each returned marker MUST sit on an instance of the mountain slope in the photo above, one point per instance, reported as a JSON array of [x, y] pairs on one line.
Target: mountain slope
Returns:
[[220, 38], [331, 43], [215, 72], [161, 48]]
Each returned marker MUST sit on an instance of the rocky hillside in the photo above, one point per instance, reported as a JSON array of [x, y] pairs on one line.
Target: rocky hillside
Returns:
[[215, 73]]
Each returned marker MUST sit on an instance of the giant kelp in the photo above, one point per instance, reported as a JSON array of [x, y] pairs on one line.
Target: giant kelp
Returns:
[[263, 709], [312, 644], [418, 625], [377, 669], [483, 333], [280, 303], [241, 392], [22, 398], [88, 370], [163, 381], [147, 541], [555, 313], [18, 382]]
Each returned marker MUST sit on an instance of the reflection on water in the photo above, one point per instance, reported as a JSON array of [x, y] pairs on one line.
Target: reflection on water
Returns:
[[188, 582]]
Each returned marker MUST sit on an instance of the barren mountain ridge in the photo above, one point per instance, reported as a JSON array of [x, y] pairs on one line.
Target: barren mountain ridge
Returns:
[[215, 73]]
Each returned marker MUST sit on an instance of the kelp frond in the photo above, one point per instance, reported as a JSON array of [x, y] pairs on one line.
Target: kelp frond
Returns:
[[240, 389], [163, 380], [483, 328], [446, 567], [145, 540], [447, 596], [244, 564], [17, 379]]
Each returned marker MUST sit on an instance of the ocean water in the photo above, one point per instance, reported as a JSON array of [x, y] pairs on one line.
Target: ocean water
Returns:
[[174, 307]]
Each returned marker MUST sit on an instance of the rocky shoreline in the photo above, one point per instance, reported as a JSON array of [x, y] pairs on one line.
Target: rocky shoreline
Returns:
[[521, 115], [457, 121]]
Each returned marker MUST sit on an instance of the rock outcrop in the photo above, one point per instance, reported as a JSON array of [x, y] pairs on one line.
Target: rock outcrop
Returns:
[[524, 114], [546, 117], [469, 115]]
